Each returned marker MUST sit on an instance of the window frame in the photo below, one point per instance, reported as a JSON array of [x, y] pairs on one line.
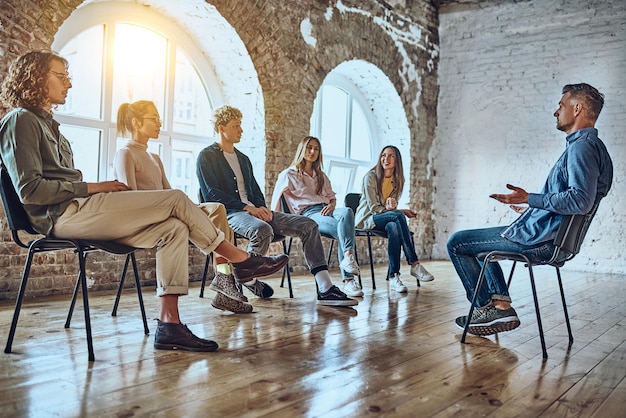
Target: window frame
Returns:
[[109, 14], [355, 95]]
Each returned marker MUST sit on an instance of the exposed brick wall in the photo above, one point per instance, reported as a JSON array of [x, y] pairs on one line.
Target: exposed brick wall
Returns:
[[502, 68], [399, 37]]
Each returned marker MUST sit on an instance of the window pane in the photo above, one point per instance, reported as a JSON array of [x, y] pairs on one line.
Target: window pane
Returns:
[[357, 185], [341, 176], [360, 135], [139, 68], [85, 144], [183, 173], [84, 54], [334, 111], [192, 109]]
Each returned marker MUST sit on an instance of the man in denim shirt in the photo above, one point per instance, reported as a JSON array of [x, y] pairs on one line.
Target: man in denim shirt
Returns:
[[580, 178]]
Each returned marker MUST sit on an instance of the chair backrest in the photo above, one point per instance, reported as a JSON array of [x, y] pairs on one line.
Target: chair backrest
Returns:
[[571, 233], [17, 219], [352, 201]]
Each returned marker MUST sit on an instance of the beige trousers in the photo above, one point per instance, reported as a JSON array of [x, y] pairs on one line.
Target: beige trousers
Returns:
[[217, 214], [165, 219]]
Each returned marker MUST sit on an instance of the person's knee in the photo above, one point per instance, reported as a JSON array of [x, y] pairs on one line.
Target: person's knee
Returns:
[[391, 229], [308, 226], [454, 240]]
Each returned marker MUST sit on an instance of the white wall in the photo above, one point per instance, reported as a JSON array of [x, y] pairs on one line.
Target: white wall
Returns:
[[502, 68]]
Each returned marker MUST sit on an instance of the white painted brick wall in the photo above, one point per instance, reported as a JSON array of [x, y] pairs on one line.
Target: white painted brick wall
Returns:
[[502, 68]]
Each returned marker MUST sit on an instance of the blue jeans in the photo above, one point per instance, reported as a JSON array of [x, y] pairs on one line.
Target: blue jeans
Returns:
[[339, 226], [261, 233], [463, 248], [394, 224]]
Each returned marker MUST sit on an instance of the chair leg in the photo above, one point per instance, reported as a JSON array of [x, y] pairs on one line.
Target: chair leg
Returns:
[[330, 251], [207, 263], [479, 284], [73, 302], [120, 286], [569, 328], [146, 330], [539, 324], [18, 302], [287, 250], [83, 280], [356, 257], [369, 248], [508, 284]]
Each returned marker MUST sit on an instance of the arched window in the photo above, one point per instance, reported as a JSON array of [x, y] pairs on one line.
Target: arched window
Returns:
[[123, 53], [347, 134], [357, 112]]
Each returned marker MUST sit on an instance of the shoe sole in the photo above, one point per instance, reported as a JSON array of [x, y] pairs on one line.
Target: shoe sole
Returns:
[[494, 327], [337, 302], [356, 294], [430, 279], [238, 298], [159, 346], [233, 309], [405, 290]]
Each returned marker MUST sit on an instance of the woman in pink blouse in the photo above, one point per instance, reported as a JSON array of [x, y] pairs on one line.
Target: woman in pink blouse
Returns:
[[307, 191]]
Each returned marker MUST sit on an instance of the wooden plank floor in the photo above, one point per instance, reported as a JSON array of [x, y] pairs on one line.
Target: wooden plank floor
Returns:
[[393, 356]]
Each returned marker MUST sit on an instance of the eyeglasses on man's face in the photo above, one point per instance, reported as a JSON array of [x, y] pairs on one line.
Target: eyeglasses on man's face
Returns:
[[65, 78]]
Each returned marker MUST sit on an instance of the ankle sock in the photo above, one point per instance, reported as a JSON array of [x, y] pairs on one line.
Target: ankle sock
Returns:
[[322, 278]]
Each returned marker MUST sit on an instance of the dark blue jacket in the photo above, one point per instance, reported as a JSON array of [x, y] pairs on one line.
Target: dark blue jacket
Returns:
[[218, 182]]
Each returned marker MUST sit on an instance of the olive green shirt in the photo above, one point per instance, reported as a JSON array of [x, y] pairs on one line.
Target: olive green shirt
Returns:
[[40, 163]]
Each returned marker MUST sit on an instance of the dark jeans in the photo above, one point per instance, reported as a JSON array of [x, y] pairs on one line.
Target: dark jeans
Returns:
[[394, 224], [463, 248]]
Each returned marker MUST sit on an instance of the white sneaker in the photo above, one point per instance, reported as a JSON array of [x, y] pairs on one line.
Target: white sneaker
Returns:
[[349, 265], [396, 284], [421, 274], [352, 288]]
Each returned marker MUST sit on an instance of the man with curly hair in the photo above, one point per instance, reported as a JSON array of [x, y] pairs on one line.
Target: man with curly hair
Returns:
[[39, 160]]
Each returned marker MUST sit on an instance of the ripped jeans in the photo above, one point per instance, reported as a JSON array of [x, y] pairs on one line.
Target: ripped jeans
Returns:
[[463, 248]]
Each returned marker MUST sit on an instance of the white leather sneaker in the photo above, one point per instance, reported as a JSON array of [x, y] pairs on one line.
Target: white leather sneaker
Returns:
[[352, 288], [349, 265], [396, 284], [421, 274]]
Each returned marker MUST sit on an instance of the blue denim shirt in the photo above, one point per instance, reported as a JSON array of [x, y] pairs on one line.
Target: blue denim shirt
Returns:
[[581, 177], [218, 182]]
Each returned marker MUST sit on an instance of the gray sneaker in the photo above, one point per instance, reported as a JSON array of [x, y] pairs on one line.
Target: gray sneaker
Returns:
[[490, 320], [260, 289], [225, 284]]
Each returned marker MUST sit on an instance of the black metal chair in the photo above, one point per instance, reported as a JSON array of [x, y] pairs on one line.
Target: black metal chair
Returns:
[[18, 220], [567, 244]]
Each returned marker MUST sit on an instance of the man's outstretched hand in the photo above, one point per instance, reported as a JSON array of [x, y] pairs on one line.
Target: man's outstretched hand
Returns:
[[516, 197]]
